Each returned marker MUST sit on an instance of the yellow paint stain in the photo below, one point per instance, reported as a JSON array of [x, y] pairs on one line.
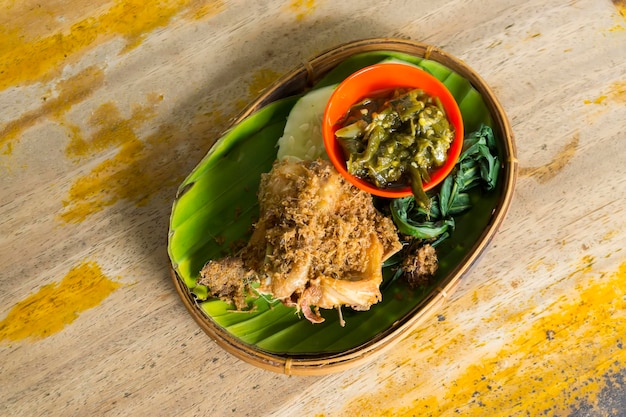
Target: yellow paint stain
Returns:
[[8, 150], [113, 129], [201, 9], [210, 119], [598, 100], [585, 265], [260, 80], [69, 92], [140, 167], [546, 172], [105, 185], [31, 19], [564, 356], [533, 36], [57, 305], [302, 8], [75, 135], [616, 93], [610, 235], [130, 174], [30, 53], [534, 266]]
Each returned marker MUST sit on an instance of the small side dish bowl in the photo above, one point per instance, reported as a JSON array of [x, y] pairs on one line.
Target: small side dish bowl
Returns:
[[370, 81]]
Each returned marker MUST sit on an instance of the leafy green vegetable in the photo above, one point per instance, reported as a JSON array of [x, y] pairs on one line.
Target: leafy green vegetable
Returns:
[[477, 165], [411, 219]]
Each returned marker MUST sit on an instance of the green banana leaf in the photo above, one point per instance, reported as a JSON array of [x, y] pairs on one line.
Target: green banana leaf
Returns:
[[216, 206]]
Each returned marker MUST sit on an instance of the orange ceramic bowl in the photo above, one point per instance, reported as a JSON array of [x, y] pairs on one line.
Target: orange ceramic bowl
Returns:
[[375, 79]]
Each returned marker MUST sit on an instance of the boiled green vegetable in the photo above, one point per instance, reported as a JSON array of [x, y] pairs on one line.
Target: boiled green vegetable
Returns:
[[477, 165]]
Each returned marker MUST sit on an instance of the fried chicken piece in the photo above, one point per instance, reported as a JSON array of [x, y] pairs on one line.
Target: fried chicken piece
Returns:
[[319, 242]]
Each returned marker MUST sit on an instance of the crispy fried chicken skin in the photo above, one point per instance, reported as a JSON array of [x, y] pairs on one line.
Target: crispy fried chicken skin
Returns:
[[319, 243]]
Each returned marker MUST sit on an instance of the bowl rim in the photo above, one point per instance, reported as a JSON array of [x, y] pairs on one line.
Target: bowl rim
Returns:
[[370, 81]]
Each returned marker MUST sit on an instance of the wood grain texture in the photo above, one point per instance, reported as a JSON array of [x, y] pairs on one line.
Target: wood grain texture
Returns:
[[91, 97]]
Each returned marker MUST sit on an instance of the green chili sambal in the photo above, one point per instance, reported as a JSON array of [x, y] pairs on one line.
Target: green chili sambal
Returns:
[[394, 139]]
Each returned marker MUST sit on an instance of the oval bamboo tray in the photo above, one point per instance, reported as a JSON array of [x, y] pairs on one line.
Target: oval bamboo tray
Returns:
[[296, 82]]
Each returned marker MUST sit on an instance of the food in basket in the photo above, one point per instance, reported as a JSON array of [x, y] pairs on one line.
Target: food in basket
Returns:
[[319, 243], [217, 205]]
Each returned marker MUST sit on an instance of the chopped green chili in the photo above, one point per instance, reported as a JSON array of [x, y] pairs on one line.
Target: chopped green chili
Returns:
[[395, 138]]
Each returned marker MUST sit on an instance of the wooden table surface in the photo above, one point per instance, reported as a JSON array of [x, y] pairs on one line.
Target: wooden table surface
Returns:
[[105, 106]]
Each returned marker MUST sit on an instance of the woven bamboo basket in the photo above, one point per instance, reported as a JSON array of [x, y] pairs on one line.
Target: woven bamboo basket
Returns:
[[300, 80]]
